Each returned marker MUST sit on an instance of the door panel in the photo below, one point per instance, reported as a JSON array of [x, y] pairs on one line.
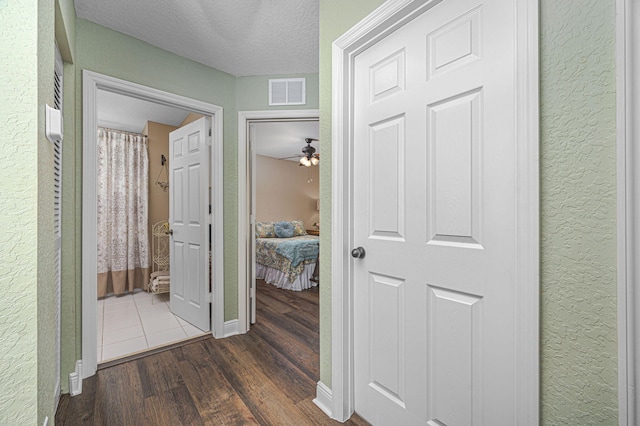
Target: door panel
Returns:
[[188, 212], [434, 208]]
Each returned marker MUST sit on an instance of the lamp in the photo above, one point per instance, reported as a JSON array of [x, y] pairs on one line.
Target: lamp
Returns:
[[305, 161], [309, 157]]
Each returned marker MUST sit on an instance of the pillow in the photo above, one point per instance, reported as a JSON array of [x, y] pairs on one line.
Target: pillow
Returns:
[[265, 230], [299, 228], [284, 229]]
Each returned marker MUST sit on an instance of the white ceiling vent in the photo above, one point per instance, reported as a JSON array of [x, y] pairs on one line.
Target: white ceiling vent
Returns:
[[287, 91]]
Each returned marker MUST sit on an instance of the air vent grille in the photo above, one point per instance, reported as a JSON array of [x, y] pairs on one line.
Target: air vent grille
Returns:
[[287, 91]]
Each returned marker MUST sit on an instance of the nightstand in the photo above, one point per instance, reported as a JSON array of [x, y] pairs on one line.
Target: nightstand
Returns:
[[313, 232]]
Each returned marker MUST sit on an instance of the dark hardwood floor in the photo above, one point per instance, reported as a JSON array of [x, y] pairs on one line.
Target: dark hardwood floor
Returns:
[[267, 376]]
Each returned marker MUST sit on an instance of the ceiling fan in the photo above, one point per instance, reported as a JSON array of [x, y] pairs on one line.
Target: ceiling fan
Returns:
[[310, 157]]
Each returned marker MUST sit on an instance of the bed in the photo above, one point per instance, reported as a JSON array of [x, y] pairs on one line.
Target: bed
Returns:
[[287, 263]]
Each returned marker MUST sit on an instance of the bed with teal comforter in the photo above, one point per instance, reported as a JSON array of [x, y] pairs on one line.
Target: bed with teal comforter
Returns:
[[289, 258]]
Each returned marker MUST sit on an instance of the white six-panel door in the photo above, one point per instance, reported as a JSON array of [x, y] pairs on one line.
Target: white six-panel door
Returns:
[[188, 213], [434, 209]]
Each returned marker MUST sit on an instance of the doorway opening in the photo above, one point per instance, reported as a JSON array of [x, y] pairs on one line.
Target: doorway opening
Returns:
[[208, 142], [133, 194], [272, 142]]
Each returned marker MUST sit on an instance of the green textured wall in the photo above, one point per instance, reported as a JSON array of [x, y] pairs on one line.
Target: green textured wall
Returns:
[[18, 199], [336, 17], [27, 316], [252, 93], [578, 227], [578, 213]]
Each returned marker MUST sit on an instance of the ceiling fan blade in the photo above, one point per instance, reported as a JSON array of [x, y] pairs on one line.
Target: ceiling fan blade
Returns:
[[291, 156]]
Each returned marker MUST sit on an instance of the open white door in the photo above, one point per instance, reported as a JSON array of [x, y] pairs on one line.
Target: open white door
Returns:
[[188, 219], [435, 215]]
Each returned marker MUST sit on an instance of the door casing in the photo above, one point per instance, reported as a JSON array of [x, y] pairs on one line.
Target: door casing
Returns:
[[91, 83], [628, 206], [391, 15]]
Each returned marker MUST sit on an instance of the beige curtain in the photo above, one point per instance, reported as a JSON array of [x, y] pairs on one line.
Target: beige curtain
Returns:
[[123, 200]]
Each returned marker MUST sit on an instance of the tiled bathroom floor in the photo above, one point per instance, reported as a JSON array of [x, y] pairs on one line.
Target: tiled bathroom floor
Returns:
[[136, 322]]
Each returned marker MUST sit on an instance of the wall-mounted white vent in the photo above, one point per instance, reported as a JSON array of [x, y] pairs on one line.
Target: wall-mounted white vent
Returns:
[[287, 91]]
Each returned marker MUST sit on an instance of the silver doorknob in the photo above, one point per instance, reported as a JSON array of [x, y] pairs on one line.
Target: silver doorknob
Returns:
[[358, 252]]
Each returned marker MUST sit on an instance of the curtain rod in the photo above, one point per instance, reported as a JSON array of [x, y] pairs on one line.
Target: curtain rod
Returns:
[[122, 131]]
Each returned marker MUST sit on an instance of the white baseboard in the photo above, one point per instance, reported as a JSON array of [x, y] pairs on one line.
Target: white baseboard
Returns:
[[324, 398], [75, 380], [56, 396], [231, 328]]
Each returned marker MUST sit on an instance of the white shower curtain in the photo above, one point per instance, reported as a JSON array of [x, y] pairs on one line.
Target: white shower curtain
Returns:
[[123, 200]]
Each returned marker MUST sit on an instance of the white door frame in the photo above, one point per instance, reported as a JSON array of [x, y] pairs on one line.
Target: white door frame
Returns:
[[244, 191], [381, 22], [628, 202], [91, 83]]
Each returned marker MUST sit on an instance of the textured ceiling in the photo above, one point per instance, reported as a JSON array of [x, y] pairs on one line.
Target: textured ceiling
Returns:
[[240, 37]]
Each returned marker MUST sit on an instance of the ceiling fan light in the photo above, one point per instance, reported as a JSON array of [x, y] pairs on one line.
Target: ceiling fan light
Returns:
[[302, 160], [314, 161], [305, 161]]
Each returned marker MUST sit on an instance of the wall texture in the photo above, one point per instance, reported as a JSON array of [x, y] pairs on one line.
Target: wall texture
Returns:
[[283, 193], [578, 213], [578, 228], [336, 17], [18, 199], [27, 316]]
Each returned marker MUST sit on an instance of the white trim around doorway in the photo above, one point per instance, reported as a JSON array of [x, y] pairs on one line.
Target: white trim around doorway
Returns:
[[91, 83], [628, 206], [244, 191], [380, 23]]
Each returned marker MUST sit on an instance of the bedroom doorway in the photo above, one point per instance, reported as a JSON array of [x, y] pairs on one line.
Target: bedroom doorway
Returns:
[[274, 187], [208, 141]]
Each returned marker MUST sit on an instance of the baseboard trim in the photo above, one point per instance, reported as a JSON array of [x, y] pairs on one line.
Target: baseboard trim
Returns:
[[324, 398], [75, 380], [231, 328], [56, 396]]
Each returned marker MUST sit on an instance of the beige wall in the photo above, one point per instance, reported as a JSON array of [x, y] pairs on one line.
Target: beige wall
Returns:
[[282, 191], [190, 118], [158, 134]]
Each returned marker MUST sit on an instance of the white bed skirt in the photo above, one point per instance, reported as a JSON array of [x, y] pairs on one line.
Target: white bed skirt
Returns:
[[280, 280]]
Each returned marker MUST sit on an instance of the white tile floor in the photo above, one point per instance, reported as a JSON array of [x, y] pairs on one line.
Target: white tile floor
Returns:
[[136, 322]]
